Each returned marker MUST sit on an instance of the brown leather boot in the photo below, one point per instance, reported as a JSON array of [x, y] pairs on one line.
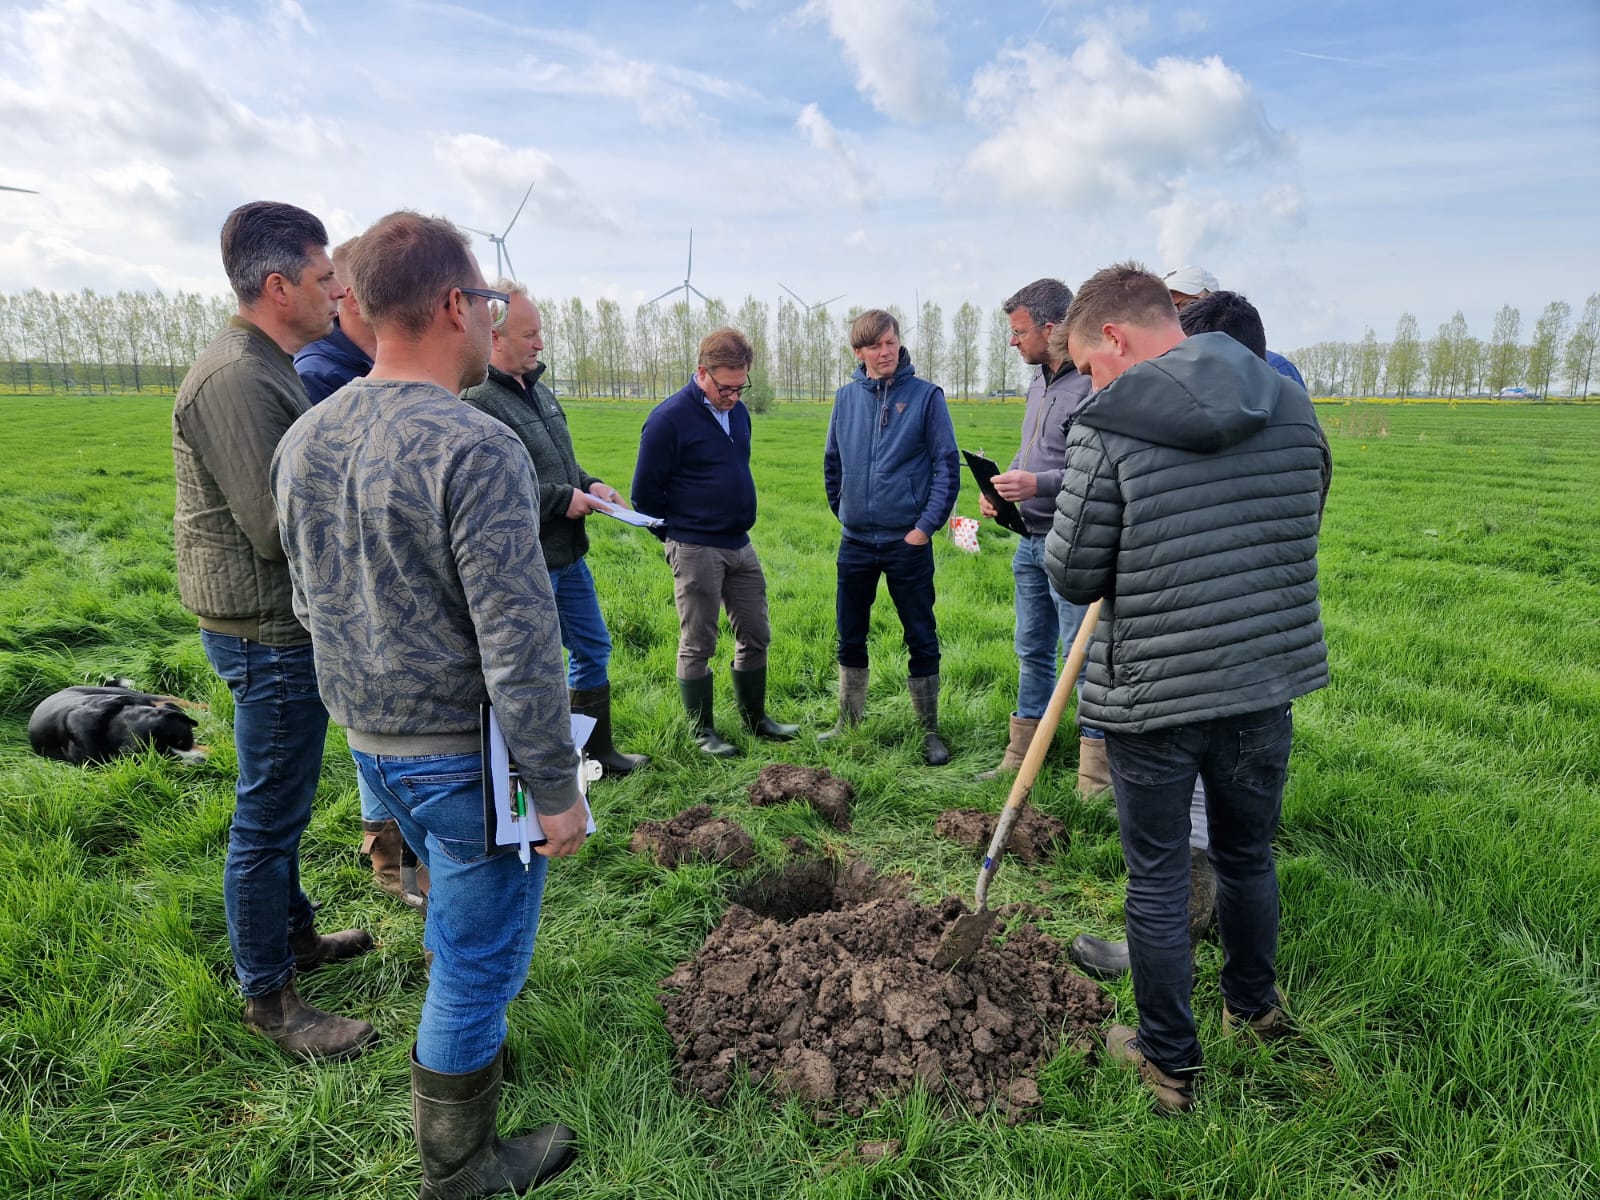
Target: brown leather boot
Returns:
[[1022, 731], [304, 1031], [1094, 772], [395, 868], [463, 1157], [312, 949]]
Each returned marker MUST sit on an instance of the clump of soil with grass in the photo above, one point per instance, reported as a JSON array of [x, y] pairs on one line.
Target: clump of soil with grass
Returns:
[[1036, 837], [782, 783], [694, 836], [817, 981]]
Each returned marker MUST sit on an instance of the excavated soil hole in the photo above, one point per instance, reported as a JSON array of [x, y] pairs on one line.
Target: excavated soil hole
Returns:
[[817, 982]]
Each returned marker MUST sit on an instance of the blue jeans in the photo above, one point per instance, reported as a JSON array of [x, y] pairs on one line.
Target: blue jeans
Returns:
[[279, 725], [1046, 625], [1244, 762], [909, 570], [483, 910], [583, 629]]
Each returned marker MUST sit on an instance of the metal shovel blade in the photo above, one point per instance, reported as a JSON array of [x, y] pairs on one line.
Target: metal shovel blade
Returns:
[[967, 933]]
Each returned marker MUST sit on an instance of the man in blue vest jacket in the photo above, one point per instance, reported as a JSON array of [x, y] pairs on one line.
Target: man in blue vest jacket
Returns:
[[892, 474]]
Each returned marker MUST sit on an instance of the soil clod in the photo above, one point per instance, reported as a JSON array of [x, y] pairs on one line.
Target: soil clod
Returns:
[[694, 836], [781, 783], [1037, 835]]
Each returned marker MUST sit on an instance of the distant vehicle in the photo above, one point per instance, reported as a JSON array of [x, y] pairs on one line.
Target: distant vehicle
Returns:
[[1516, 393], [1002, 393]]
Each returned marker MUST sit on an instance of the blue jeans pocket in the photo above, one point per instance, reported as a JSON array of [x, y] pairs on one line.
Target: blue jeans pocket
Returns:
[[450, 807]]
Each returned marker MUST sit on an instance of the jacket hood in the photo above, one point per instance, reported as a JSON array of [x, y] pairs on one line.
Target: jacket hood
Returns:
[[1205, 394], [903, 369]]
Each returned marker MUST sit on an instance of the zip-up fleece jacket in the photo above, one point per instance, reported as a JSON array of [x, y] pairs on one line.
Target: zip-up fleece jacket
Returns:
[[1051, 400], [536, 418], [695, 476], [329, 363], [1191, 503], [405, 515], [891, 463], [237, 400]]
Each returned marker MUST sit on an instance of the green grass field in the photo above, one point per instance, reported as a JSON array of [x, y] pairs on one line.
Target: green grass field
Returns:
[[1440, 860]]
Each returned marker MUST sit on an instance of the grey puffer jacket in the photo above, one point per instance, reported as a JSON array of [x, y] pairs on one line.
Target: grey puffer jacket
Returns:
[[1191, 502]]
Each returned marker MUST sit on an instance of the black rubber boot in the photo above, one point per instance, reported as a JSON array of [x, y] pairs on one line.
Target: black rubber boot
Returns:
[[1097, 958], [463, 1157], [299, 1029], [596, 702], [750, 692], [925, 702], [312, 949], [697, 701], [852, 701], [1100, 959]]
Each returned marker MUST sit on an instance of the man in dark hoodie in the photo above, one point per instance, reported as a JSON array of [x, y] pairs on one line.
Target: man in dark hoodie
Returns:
[[567, 494], [892, 473], [1190, 506]]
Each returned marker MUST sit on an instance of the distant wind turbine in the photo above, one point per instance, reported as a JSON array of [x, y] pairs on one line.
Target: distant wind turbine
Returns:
[[499, 239], [686, 287], [5, 187], [803, 304]]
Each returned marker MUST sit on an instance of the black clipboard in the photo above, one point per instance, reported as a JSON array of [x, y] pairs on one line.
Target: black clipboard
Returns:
[[1007, 516]]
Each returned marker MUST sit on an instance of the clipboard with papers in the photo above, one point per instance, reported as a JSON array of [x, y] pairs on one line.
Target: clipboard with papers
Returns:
[[1007, 515], [510, 821], [629, 516]]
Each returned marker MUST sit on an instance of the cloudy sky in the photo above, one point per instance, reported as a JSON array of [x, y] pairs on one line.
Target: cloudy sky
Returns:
[[1339, 163]]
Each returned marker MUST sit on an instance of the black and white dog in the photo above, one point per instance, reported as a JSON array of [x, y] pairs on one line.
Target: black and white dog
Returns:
[[95, 724]]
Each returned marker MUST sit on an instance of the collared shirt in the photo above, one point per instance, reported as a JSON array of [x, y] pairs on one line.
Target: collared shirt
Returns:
[[722, 417]]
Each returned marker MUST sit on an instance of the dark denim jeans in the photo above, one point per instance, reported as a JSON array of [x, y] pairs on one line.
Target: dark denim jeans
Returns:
[[483, 910], [1046, 625], [909, 570], [583, 629], [1243, 762], [279, 725]]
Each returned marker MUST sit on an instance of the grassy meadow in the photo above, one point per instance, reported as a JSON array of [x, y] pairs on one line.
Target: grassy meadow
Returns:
[[1439, 856]]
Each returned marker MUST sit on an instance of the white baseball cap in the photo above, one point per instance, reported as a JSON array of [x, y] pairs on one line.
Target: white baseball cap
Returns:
[[1191, 281]]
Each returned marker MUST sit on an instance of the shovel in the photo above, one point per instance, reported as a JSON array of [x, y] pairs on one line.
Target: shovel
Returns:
[[966, 934]]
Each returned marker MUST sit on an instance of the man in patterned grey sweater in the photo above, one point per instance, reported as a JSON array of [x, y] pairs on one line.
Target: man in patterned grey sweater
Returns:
[[405, 516]]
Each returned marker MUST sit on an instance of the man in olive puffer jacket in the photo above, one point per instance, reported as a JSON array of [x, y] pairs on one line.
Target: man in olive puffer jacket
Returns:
[[1190, 507]]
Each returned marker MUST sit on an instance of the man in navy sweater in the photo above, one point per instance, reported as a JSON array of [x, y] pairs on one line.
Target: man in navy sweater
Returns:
[[694, 472]]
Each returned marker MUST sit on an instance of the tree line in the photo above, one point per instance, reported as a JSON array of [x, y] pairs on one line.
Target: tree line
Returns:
[[134, 341]]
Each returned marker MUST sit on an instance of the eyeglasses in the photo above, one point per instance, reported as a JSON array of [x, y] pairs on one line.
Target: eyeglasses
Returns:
[[499, 303], [728, 393]]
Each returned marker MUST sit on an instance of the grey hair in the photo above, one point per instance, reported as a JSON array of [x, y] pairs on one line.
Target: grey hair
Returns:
[[511, 288], [1046, 300], [266, 238]]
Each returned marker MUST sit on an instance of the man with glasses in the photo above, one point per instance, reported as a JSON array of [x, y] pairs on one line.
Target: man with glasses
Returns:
[[1046, 623], [694, 472], [514, 394], [236, 401], [404, 513]]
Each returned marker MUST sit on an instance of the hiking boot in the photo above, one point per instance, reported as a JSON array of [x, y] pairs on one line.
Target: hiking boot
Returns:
[[312, 949], [925, 703], [1022, 731], [852, 701], [304, 1031], [463, 1157], [1172, 1094], [1268, 1026], [1094, 771], [750, 692], [596, 702], [696, 695], [394, 865]]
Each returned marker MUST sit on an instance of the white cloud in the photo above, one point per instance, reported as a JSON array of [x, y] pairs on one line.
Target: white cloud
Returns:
[[901, 62], [1189, 226], [1097, 130], [498, 175], [820, 132]]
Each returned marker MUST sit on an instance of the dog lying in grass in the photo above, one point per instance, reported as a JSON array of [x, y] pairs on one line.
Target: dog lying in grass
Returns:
[[95, 724]]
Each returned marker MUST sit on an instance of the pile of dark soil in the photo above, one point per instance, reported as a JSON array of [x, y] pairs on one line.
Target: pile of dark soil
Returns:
[[821, 986], [1035, 838], [694, 836], [781, 783]]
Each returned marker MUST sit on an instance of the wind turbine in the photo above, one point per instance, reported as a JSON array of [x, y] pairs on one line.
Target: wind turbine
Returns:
[[499, 239], [685, 286], [5, 187], [803, 304]]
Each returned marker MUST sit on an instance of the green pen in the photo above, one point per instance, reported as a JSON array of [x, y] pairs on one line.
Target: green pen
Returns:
[[523, 849]]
